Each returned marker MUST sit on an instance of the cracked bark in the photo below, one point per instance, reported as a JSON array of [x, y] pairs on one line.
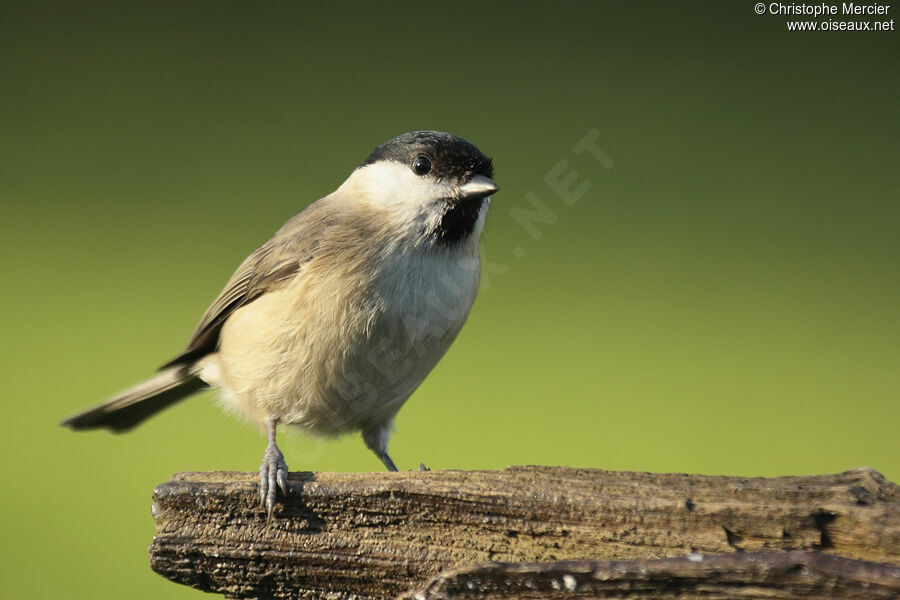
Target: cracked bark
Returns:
[[768, 576], [368, 535]]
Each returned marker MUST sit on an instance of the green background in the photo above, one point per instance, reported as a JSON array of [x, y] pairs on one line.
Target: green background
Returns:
[[723, 299]]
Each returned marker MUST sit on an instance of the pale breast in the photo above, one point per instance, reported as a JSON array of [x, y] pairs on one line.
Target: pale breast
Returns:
[[423, 303], [335, 352]]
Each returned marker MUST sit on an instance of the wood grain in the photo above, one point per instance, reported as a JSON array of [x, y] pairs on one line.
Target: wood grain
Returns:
[[745, 576], [377, 535]]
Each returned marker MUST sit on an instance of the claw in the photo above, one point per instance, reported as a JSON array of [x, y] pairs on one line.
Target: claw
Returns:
[[282, 480], [272, 474], [263, 482], [273, 491]]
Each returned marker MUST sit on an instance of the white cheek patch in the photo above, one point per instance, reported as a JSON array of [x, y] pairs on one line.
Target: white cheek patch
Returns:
[[479, 224], [413, 201]]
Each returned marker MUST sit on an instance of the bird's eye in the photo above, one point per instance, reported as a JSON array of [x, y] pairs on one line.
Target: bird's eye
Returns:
[[422, 165]]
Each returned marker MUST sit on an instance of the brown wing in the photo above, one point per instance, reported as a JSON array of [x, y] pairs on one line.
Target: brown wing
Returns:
[[278, 260]]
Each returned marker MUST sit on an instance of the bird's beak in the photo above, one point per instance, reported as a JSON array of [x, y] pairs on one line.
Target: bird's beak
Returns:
[[478, 187]]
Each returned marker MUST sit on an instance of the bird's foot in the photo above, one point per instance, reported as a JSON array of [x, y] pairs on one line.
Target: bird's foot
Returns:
[[272, 475]]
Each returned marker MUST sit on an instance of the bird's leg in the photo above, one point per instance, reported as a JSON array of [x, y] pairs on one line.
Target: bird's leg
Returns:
[[273, 471], [376, 438], [387, 461]]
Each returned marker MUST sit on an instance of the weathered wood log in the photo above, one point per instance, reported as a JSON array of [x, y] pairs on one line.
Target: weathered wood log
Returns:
[[769, 576], [376, 535]]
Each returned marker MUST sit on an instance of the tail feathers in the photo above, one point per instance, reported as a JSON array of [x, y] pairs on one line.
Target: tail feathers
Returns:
[[132, 406]]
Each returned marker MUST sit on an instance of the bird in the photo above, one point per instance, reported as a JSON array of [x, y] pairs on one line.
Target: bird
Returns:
[[332, 324]]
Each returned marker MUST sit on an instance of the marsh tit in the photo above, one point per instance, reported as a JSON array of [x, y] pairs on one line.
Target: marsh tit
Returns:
[[333, 323]]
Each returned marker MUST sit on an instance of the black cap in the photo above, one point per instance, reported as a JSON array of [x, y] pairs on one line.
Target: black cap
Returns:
[[450, 156]]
